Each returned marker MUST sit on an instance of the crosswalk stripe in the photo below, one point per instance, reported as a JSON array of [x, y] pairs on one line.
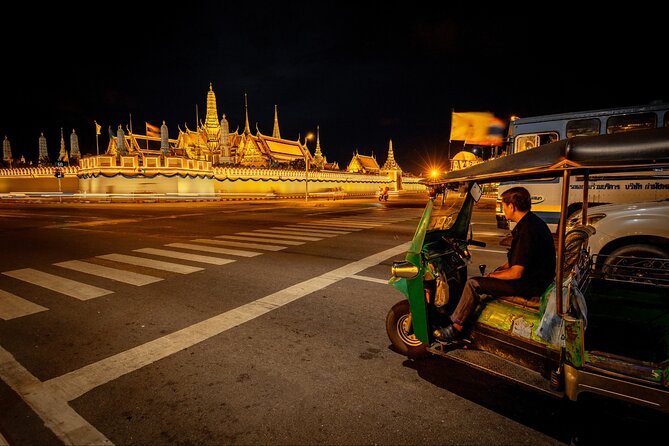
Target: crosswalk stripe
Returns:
[[347, 223], [59, 284], [323, 228], [361, 221], [150, 263], [316, 224], [240, 244], [12, 306], [309, 230], [271, 233], [234, 252], [109, 273], [185, 256], [255, 239]]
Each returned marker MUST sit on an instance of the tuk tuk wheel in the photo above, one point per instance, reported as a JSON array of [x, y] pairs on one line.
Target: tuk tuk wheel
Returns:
[[400, 332]]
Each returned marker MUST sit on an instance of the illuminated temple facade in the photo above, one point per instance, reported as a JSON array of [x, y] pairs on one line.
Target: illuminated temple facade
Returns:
[[212, 141]]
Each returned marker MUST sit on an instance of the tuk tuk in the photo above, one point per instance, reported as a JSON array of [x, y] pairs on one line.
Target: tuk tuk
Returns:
[[588, 331]]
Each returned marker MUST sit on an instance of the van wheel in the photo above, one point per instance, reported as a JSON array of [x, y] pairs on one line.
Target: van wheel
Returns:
[[635, 262], [400, 332]]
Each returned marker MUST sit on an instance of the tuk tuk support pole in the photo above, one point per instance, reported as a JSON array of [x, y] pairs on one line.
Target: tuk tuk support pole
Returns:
[[560, 247], [584, 209]]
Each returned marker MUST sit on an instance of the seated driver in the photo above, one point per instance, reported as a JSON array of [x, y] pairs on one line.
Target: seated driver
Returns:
[[529, 270]]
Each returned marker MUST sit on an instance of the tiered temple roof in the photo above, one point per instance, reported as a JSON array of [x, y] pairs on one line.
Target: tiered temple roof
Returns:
[[363, 164]]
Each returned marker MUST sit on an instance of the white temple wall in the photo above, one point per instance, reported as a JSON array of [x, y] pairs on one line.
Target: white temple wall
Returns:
[[136, 180]]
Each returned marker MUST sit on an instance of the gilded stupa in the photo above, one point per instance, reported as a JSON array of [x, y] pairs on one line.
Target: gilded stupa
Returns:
[[212, 141]]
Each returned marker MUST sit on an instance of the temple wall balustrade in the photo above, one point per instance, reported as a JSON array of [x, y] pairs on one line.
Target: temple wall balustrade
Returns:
[[157, 174]]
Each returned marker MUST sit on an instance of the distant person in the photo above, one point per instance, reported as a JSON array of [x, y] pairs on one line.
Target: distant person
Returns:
[[529, 269]]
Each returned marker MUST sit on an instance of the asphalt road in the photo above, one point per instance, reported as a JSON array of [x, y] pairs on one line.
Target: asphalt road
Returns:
[[239, 323]]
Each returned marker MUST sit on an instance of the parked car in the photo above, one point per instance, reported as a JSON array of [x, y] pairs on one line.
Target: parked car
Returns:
[[628, 236]]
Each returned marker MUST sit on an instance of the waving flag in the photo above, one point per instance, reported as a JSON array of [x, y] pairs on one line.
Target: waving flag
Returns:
[[477, 128], [152, 130]]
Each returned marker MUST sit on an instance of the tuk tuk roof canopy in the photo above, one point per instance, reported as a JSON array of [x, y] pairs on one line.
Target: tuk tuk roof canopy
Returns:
[[627, 151]]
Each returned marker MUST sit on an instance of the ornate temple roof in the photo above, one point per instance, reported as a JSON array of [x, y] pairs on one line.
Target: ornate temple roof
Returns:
[[363, 164]]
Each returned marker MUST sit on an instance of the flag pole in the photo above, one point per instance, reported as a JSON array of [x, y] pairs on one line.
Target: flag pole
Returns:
[[97, 144]]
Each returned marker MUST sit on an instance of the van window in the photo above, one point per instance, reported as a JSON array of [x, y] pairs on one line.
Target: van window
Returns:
[[524, 142], [582, 127], [626, 123]]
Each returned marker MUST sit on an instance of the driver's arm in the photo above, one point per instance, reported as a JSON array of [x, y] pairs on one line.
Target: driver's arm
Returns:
[[512, 273]]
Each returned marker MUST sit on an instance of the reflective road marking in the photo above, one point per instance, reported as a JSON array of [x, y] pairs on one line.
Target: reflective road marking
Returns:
[[255, 239], [233, 252], [119, 275], [12, 306], [240, 244], [185, 256], [62, 285], [150, 263]]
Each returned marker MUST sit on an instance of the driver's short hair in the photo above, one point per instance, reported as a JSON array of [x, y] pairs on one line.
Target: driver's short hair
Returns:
[[519, 197]]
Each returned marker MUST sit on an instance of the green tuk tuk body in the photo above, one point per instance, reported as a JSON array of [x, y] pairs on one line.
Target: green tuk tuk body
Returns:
[[597, 334]]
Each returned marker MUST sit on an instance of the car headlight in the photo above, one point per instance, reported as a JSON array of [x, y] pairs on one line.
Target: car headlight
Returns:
[[576, 219]]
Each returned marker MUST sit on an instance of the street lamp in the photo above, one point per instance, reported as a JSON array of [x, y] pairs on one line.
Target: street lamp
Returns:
[[306, 166]]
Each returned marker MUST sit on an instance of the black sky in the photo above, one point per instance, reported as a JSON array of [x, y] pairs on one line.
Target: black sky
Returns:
[[364, 72]]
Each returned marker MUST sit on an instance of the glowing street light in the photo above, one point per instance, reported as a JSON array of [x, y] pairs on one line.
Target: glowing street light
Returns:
[[306, 166]]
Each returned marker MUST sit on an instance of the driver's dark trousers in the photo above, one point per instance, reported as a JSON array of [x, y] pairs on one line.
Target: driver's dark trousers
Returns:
[[477, 286]]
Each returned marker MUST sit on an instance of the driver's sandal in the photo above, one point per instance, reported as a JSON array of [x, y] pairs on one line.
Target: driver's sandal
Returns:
[[447, 334]]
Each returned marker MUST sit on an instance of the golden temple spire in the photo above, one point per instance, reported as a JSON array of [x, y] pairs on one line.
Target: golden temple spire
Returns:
[[211, 118], [275, 132], [390, 161], [247, 130], [318, 141]]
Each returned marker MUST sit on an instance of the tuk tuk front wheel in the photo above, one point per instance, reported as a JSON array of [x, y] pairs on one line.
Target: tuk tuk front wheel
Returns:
[[400, 331]]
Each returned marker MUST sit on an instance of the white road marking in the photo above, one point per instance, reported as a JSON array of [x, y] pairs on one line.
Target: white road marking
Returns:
[[270, 233], [341, 223], [185, 256], [12, 306], [119, 275], [240, 244], [496, 251], [49, 399], [255, 239], [70, 427], [321, 226], [340, 226], [369, 279], [150, 263], [299, 230], [62, 285], [233, 252], [307, 229]]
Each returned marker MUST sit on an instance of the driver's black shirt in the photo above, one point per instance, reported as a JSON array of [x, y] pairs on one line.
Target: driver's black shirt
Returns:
[[533, 248]]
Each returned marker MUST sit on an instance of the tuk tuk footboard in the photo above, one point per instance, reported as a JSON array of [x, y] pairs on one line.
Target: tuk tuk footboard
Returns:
[[630, 319]]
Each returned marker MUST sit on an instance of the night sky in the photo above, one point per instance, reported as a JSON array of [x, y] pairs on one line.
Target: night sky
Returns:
[[365, 72]]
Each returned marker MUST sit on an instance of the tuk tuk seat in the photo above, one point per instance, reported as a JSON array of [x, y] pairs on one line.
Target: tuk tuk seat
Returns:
[[575, 257]]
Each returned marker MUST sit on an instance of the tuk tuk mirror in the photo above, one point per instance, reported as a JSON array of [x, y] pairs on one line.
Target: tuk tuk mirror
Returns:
[[476, 192]]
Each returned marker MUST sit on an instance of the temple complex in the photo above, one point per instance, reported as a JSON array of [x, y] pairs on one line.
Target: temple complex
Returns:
[[213, 142]]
